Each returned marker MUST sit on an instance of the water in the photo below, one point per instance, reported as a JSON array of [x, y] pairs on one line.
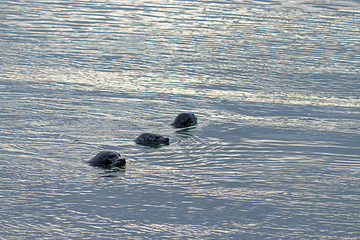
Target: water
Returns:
[[274, 84]]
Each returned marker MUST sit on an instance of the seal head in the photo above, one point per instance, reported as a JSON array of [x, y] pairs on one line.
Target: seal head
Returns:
[[184, 120], [152, 140], [107, 159]]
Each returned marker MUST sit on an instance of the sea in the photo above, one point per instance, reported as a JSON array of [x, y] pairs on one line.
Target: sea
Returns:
[[274, 84]]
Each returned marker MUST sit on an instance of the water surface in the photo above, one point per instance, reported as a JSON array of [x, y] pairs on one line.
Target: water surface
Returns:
[[274, 84]]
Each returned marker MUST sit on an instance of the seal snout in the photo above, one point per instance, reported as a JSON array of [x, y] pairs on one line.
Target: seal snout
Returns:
[[120, 162]]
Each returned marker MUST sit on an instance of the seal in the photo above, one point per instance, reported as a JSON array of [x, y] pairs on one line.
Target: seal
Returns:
[[150, 139], [107, 159], [184, 120]]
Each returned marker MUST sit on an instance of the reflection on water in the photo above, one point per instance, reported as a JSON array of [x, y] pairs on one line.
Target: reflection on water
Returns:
[[274, 85]]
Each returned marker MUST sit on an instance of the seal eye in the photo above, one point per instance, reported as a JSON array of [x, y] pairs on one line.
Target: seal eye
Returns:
[[112, 156]]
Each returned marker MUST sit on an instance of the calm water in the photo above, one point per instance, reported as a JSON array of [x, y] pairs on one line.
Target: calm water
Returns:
[[274, 84]]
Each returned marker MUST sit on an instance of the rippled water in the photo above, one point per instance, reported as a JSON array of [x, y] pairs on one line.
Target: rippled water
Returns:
[[274, 84]]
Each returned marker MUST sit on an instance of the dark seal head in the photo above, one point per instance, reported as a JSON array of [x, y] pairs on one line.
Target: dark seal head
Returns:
[[184, 120], [107, 159], [150, 139]]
